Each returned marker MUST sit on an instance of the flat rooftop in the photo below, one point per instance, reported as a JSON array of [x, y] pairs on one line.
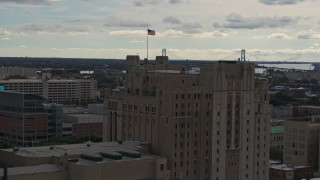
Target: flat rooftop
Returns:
[[74, 149], [40, 80], [85, 118], [172, 72], [286, 167], [279, 129]]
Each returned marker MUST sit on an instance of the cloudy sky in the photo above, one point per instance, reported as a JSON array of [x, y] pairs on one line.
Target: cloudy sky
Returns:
[[287, 30]]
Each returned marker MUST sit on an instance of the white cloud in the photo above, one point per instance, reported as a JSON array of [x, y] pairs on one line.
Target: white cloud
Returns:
[[258, 37], [175, 1], [4, 32], [215, 34], [141, 3], [118, 22], [280, 2], [136, 41], [279, 36], [238, 21], [173, 33], [30, 2], [171, 20], [57, 29], [197, 34], [308, 34], [129, 33]]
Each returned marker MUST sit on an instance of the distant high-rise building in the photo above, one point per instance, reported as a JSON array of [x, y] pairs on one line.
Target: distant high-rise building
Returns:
[[210, 125]]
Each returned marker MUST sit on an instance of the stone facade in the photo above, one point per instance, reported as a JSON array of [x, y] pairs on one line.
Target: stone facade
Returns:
[[210, 125]]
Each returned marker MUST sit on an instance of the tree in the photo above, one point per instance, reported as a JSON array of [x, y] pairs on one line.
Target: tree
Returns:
[[4, 144], [305, 81], [282, 99], [314, 81]]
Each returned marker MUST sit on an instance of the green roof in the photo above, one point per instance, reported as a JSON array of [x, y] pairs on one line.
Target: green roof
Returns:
[[277, 129]]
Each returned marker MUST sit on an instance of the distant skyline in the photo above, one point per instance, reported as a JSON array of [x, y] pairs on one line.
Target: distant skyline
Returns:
[[286, 30]]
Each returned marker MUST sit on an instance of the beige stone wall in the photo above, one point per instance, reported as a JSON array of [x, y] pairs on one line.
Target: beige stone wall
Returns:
[[301, 143], [122, 170], [209, 125], [40, 176], [15, 160], [277, 140]]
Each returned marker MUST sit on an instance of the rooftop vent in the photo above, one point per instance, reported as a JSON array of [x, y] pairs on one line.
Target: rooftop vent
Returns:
[[92, 157], [15, 149], [111, 155], [130, 154]]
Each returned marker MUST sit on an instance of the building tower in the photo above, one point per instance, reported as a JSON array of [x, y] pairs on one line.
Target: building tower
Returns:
[[211, 125]]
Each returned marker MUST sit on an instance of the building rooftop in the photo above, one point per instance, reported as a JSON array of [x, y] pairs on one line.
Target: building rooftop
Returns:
[[172, 72], [306, 106], [286, 167], [85, 118], [277, 129], [74, 149], [40, 80], [273, 162]]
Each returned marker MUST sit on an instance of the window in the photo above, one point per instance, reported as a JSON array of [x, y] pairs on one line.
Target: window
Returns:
[[161, 167]]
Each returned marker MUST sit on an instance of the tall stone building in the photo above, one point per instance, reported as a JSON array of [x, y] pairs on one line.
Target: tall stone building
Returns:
[[211, 125]]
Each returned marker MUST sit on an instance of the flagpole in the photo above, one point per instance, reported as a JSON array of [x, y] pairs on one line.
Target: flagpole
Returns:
[[147, 44]]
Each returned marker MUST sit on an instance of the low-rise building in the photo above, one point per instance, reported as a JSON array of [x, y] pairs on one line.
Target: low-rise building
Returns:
[[301, 145], [85, 124], [84, 121], [281, 112], [289, 172], [303, 111], [95, 161]]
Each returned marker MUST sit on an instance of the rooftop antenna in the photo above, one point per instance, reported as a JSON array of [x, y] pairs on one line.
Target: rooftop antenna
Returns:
[[164, 52]]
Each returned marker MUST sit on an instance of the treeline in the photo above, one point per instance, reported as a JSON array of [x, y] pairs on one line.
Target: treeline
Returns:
[[67, 63]]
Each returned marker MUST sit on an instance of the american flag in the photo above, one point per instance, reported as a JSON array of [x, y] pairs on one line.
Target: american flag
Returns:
[[151, 32]]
